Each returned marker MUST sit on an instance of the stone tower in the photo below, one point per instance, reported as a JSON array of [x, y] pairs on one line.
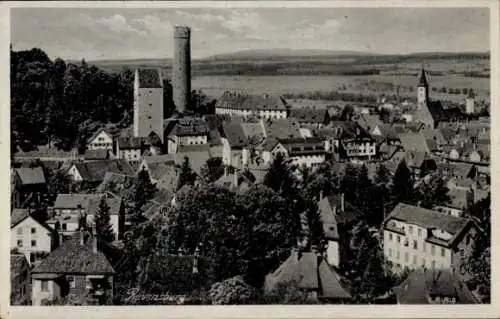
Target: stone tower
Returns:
[[181, 71], [422, 89]]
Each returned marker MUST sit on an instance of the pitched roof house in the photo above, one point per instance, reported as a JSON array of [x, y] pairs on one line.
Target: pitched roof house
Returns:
[[94, 172]]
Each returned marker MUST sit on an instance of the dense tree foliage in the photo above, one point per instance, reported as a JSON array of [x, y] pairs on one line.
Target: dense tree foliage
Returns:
[[53, 102], [213, 169], [187, 175]]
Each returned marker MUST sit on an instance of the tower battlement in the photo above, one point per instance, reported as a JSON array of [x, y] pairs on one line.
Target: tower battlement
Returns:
[[182, 32]]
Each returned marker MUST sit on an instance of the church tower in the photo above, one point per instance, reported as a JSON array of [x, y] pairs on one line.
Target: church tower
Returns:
[[422, 89]]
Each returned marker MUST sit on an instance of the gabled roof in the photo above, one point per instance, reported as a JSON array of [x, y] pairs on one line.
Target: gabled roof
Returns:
[[114, 205], [149, 78], [72, 201], [235, 134], [94, 136], [368, 121], [94, 171], [99, 154], [459, 198], [19, 215], [187, 126], [422, 283], [197, 154], [243, 101], [429, 219], [282, 128], [30, 175], [311, 272], [73, 258], [414, 142], [309, 115], [350, 130]]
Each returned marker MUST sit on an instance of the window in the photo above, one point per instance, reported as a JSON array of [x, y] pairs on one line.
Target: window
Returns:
[[64, 226], [390, 236], [415, 244], [20, 243], [410, 229], [19, 231], [150, 104], [71, 281], [33, 243], [45, 285], [443, 252], [33, 230], [414, 259], [419, 232], [390, 252], [398, 239], [32, 257], [397, 255], [433, 250], [407, 256]]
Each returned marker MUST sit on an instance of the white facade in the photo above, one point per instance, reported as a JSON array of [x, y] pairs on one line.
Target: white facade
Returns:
[[469, 106], [148, 110], [308, 160], [129, 154], [30, 237], [332, 253], [176, 141], [75, 174], [103, 141], [44, 289], [267, 114]]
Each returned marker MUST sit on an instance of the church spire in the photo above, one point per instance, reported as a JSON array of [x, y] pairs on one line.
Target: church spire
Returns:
[[422, 79]]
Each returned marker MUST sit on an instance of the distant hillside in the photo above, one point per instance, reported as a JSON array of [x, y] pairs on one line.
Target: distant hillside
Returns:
[[284, 53]]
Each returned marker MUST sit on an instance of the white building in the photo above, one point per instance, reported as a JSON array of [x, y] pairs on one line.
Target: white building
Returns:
[[246, 105], [101, 140], [416, 237]]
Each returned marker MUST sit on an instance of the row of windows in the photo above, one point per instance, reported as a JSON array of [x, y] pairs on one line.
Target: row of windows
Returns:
[[414, 259], [20, 230], [405, 242], [20, 243], [102, 144]]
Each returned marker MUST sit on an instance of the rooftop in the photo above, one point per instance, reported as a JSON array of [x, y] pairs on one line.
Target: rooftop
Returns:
[[243, 101]]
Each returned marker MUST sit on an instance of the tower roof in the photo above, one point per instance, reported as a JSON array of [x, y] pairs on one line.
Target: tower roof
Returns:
[[422, 81]]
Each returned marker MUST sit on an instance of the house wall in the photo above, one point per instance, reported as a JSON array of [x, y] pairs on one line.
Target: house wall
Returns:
[[148, 111], [23, 232], [469, 106], [37, 295], [464, 248], [101, 142], [332, 253], [407, 256], [75, 174], [360, 149], [273, 114], [226, 151], [308, 160]]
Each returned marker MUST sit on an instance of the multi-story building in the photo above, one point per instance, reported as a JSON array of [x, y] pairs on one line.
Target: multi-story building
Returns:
[[304, 151], [148, 103], [101, 140], [30, 237], [350, 141], [185, 131], [417, 237], [246, 105]]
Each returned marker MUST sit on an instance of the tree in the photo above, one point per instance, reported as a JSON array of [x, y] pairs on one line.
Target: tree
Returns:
[[187, 176], [402, 185], [232, 291], [347, 113], [432, 192], [382, 176], [287, 293], [58, 182], [213, 169], [103, 222]]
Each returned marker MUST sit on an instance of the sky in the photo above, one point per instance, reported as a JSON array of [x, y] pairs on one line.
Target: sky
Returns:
[[134, 33]]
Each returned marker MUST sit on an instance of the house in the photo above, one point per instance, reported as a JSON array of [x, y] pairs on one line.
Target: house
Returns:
[[185, 131], [417, 237], [248, 105], [215, 143], [352, 142], [100, 140], [82, 270], [26, 181], [457, 170], [433, 286], [130, 148], [303, 151], [31, 237], [385, 133], [234, 143], [93, 172], [313, 275], [20, 280], [419, 163], [368, 122], [310, 116], [336, 222], [69, 209]]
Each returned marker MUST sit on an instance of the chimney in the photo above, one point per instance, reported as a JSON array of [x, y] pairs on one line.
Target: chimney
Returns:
[[94, 239]]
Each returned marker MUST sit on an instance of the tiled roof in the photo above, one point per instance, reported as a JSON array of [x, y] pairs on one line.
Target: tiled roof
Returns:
[[429, 219], [99, 154], [254, 132], [94, 136], [187, 126], [368, 121], [197, 154], [459, 198], [350, 130], [311, 272], [94, 171], [158, 170], [282, 128], [242, 101], [421, 284], [149, 78], [114, 205], [309, 115], [414, 142], [71, 201], [214, 138], [129, 143], [31, 175], [18, 215], [235, 134], [73, 258], [159, 159], [113, 182]]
